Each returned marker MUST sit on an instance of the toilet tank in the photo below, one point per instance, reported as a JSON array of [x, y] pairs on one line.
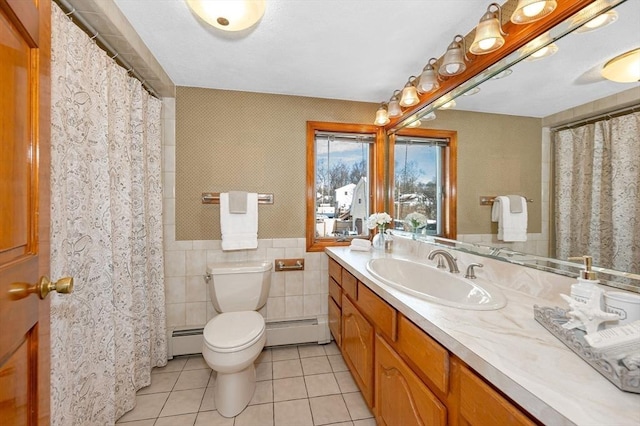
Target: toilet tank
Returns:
[[239, 286]]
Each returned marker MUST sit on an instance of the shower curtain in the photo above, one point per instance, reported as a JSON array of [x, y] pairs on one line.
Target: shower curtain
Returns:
[[106, 232], [597, 192]]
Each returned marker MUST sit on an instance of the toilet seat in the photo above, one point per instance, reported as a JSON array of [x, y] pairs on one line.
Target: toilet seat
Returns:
[[233, 331]]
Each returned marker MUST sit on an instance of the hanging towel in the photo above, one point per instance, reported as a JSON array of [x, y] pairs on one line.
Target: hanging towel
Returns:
[[239, 230], [237, 202], [511, 226]]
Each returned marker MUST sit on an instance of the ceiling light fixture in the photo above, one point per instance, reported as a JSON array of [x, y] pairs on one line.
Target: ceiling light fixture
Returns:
[[394, 109], [382, 115], [409, 93], [229, 15], [471, 92], [415, 123], [623, 68], [540, 47], [599, 21], [489, 33], [453, 62], [528, 11], [429, 117], [502, 74], [449, 105], [428, 81]]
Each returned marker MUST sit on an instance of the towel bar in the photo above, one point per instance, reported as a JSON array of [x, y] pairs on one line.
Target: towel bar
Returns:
[[214, 198], [487, 200]]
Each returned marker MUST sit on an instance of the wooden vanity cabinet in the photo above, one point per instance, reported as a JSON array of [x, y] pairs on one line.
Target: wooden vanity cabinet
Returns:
[[405, 376]]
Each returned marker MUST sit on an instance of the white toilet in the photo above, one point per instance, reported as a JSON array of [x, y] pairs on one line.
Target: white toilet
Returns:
[[236, 336]]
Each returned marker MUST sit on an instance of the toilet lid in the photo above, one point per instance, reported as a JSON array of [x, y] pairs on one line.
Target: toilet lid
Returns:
[[233, 330]]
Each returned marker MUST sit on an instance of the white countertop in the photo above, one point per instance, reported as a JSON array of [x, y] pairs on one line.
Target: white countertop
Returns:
[[508, 347]]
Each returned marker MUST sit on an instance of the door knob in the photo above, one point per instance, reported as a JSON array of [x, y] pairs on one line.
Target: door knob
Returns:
[[42, 288]]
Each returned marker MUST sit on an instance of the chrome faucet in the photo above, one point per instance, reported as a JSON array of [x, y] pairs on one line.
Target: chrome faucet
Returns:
[[451, 261]]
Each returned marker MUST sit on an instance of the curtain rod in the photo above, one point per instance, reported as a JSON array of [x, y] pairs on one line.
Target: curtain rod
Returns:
[[84, 25], [599, 117]]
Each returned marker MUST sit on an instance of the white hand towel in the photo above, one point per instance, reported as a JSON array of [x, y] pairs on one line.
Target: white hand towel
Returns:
[[239, 231], [511, 226], [360, 242], [237, 202]]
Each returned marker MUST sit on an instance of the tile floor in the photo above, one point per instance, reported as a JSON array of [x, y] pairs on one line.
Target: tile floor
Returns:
[[296, 385]]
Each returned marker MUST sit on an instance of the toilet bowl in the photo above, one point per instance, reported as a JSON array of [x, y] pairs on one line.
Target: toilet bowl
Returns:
[[235, 337], [232, 342]]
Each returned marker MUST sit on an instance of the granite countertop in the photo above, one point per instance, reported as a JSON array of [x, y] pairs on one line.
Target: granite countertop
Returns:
[[508, 347]]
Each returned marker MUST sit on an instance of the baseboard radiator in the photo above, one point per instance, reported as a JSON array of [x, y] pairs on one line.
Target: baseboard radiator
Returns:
[[313, 330]]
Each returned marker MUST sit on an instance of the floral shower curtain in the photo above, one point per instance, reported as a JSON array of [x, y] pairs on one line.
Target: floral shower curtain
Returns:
[[597, 192], [106, 232]]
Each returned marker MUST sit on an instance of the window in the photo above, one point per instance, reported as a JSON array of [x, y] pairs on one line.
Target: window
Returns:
[[344, 182], [424, 180]]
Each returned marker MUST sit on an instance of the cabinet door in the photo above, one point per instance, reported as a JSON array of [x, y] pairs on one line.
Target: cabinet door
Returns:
[[357, 348], [335, 321], [481, 405], [401, 398]]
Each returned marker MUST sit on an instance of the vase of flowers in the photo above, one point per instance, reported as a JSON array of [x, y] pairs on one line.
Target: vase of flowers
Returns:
[[415, 221], [379, 221]]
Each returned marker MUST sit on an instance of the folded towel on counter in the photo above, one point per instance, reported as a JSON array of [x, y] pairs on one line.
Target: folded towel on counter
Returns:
[[237, 202], [358, 244], [511, 226], [239, 231]]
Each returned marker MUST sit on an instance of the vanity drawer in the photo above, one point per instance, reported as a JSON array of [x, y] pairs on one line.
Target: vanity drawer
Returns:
[[380, 313], [335, 271], [349, 285], [426, 355], [335, 291]]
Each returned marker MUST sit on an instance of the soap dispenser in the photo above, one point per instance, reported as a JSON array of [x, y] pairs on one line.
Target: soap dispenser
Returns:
[[581, 291]]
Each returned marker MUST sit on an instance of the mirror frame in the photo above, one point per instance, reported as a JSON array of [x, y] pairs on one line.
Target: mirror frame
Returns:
[[480, 69]]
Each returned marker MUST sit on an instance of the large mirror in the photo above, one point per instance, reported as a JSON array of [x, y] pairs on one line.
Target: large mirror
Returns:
[[561, 90]]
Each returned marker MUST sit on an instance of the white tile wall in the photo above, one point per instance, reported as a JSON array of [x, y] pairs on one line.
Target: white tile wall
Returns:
[[293, 294]]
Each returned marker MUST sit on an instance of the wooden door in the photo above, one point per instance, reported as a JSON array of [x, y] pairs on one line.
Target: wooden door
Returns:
[[25, 39], [357, 348]]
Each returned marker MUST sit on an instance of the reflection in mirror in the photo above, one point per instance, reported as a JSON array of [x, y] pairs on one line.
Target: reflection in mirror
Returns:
[[563, 91]]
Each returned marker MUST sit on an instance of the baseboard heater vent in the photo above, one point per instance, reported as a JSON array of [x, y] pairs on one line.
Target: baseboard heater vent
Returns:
[[189, 341]]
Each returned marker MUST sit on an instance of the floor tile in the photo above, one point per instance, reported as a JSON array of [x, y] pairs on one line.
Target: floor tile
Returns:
[[196, 363], [183, 402], [284, 353], [212, 379], [321, 384], [316, 365], [212, 418], [263, 393], [175, 364], [307, 351], [328, 409], [289, 368], [182, 420], [287, 389], [292, 413], [332, 349], [255, 415], [160, 382], [147, 407], [365, 422], [337, 363], [357, 407], [193, 379], [265, 356], [264, 371], [208, 400], [346, 382], [147, 422], [342, 424]]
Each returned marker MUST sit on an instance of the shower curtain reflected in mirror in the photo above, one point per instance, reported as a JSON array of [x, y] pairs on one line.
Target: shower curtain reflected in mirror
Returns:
[[106, 232], [597, 192]]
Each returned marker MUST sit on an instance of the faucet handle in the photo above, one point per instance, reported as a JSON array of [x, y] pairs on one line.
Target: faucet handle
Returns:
[[470, 274]]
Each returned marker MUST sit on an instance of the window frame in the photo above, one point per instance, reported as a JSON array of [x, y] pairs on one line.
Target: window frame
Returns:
[[376, 175], [449, 173]]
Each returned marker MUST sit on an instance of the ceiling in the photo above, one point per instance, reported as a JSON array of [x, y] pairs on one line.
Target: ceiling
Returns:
[[362, 50]]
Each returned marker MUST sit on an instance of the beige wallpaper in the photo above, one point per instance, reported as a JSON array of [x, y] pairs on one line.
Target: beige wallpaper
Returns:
[[255, 142], [497, 155]]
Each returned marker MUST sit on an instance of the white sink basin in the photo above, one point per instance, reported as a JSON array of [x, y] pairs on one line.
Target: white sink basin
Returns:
[[436, 285]]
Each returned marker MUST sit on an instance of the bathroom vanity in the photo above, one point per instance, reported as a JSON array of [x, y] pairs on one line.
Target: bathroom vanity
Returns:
[[418, 362]]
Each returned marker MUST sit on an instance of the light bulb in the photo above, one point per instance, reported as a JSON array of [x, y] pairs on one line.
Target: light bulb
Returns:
[[533, 9]]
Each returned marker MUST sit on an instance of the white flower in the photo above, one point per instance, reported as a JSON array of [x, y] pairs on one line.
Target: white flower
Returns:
[[378, 219], [416, 220]]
